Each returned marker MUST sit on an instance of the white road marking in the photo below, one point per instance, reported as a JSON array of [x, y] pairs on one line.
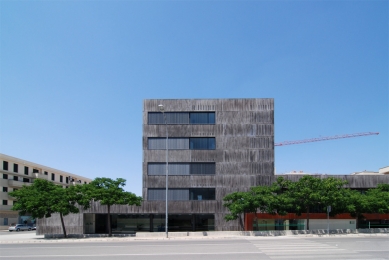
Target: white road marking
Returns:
[[128, 245], [158, 254]]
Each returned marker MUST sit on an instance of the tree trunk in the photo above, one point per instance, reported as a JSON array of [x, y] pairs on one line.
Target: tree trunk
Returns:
[[356, 222], [241, 222], [256, 221], [357, 218], [109, 221], [63, 225], [308, 218]]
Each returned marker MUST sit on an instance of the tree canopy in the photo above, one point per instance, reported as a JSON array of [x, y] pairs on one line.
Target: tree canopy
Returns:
[[110, 192], [259, 198], [375, 200], [43, 198], [379, 199], [308, 194]]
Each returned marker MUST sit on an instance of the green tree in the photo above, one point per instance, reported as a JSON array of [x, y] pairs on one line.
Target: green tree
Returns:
[[257, 199], [374, 200], [310, 192], [43, 198], [355, 203], [238, 203], [378, 199], [284, 202], [110, 192]]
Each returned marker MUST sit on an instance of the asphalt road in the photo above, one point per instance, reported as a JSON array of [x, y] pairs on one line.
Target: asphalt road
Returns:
[[242, 248]]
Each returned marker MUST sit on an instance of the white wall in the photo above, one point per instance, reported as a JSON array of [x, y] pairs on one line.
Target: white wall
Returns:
[[334, 224]]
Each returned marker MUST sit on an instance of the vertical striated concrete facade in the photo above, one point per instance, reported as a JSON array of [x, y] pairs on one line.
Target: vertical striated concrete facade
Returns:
[[216, 147], [243, 153]]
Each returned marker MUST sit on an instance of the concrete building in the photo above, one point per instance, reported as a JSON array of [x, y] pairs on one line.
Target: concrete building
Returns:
[[381, 171], [215, 147], [15, 173], [318, 220]]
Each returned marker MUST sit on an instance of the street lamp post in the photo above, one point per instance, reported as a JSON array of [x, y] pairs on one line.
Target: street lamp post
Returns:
[[162, 109]]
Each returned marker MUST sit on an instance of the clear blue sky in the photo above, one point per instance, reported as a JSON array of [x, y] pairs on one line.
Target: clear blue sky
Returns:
[[74, 75]]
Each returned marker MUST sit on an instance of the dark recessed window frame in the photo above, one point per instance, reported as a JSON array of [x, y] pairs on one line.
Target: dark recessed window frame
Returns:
[[16, 167], [202, 143], [182, 168], [202, 194], [183, 194], [5, 165], [182, 118], [202, 118], [182, 143]]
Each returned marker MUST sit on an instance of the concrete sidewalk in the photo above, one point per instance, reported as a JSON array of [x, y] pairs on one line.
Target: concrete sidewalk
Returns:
[[31, 237], [269, 233]]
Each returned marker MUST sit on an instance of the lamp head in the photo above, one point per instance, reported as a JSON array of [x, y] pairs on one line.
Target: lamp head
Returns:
[[161, 108]]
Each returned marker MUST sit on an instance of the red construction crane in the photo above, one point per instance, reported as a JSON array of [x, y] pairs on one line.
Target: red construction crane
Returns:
[[325, 138]]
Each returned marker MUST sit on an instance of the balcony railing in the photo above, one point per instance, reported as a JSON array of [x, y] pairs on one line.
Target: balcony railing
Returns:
[[17, 184]]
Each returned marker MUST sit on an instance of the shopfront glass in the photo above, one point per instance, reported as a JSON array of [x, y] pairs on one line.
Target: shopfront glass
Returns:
[[129, 223]]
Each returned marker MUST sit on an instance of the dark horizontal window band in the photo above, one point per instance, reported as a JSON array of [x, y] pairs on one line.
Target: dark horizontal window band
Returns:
[[185, 143], [182, 118], [154, 169], [182, 194]]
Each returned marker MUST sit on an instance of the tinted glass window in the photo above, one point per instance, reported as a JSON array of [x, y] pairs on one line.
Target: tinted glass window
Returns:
[[202, 194], [197, 143], [159, 143], [173, 194], [183, 118], [5, 165], [202, 118], [158, 118], [181, 168], [211, 118], [202, 168], [207, 143]]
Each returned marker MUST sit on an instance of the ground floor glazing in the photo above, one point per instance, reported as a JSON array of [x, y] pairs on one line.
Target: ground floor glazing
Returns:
[[129, 223], [291, 221]]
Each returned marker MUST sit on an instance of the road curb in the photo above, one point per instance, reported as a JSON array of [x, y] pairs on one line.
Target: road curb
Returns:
[[128, 239]]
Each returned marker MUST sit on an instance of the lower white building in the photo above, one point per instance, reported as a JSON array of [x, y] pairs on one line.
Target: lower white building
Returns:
[[15, 173]]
